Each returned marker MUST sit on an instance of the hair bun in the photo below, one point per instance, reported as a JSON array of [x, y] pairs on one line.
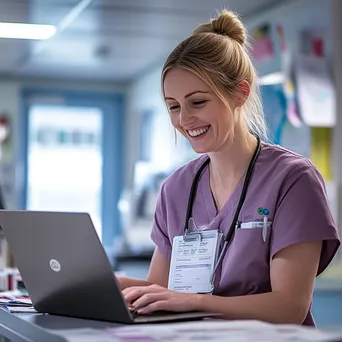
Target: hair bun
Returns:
[[226, 24]]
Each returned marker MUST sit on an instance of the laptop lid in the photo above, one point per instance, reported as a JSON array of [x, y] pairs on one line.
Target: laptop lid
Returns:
[[63, 265]]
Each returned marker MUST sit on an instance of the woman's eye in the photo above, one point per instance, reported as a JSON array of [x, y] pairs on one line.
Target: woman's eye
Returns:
[[199, 103], [173, 108]]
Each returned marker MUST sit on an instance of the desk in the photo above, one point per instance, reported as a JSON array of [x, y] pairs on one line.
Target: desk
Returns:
[[40, 327], [46, 328]]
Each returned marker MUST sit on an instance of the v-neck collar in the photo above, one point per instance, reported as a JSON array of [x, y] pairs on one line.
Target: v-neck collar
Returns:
[[209, 200]]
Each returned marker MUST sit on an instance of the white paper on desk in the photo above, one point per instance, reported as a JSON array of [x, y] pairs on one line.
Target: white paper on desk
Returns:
[[24, 301], [11, 294], [207, 330], [193, 261], [21, 309], [4, 301], [212, 330]]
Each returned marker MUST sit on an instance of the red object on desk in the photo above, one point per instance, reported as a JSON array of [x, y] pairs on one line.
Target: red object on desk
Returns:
[[10, 282]]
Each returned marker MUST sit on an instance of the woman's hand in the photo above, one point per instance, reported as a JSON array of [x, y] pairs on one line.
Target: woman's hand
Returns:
[[125, 282], [146, 299]]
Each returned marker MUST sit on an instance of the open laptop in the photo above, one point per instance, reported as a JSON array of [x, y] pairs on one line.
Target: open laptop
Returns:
[[66, 270]]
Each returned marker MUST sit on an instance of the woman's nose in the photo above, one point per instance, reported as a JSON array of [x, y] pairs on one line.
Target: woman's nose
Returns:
[[185, 118]]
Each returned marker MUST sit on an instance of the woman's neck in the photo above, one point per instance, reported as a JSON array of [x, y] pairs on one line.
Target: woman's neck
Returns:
[[228, 165]]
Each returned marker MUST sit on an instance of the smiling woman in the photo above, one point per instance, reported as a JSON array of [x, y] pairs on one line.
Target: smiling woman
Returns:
[[267, 205]]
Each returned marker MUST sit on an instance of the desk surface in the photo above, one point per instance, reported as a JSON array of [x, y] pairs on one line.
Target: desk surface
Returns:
[[41, 328], [45, 328]]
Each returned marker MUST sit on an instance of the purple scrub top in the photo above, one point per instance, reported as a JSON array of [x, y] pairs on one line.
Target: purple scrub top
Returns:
[[284, 183]]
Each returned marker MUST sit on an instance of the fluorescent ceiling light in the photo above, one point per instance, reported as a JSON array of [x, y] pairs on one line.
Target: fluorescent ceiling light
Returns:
[[26, 31], [274, 78]]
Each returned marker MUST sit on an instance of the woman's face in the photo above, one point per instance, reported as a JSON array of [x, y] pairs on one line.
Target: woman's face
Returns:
[[196, 111]]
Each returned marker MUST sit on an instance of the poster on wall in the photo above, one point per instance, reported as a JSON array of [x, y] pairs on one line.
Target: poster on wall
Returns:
[[274, 105], [262, 46], [316, 93]]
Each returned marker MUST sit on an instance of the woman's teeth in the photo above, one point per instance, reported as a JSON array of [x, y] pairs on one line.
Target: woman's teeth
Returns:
[[198, 132]]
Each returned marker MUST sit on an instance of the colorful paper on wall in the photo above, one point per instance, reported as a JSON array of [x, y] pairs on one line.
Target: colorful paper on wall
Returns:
[[321, 150], [274, 105], [316, 93], [281, 130], [262, 46]]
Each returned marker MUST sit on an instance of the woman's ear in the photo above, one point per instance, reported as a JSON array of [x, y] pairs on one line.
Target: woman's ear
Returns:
[[243, 89]]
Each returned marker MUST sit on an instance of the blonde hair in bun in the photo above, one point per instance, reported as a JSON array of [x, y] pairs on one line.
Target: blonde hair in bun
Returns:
[[227, 24]]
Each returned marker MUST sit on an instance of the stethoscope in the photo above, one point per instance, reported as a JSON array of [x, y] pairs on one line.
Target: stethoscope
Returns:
[[235, 222]]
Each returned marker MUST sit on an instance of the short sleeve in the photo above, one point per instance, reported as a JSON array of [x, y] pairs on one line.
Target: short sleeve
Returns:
[[159, 233], [303, 214]]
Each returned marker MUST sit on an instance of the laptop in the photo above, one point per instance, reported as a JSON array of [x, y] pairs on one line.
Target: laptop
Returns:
[[66, 270]]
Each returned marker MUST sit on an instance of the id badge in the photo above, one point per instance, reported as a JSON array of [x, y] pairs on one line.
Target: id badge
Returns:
[[192, 261]]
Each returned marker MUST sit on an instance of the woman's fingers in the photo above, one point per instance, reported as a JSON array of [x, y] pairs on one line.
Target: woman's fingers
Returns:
[[147, 299], [161, 305], [131, 294]]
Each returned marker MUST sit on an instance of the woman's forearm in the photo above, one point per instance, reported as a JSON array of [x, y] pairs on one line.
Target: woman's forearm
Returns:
[[272, 307], [125, 282]]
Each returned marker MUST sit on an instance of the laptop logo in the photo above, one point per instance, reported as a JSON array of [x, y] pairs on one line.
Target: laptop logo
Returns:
[[55, 265]]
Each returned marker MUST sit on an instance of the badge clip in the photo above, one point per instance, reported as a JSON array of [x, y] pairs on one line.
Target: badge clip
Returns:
[[192, 236]]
